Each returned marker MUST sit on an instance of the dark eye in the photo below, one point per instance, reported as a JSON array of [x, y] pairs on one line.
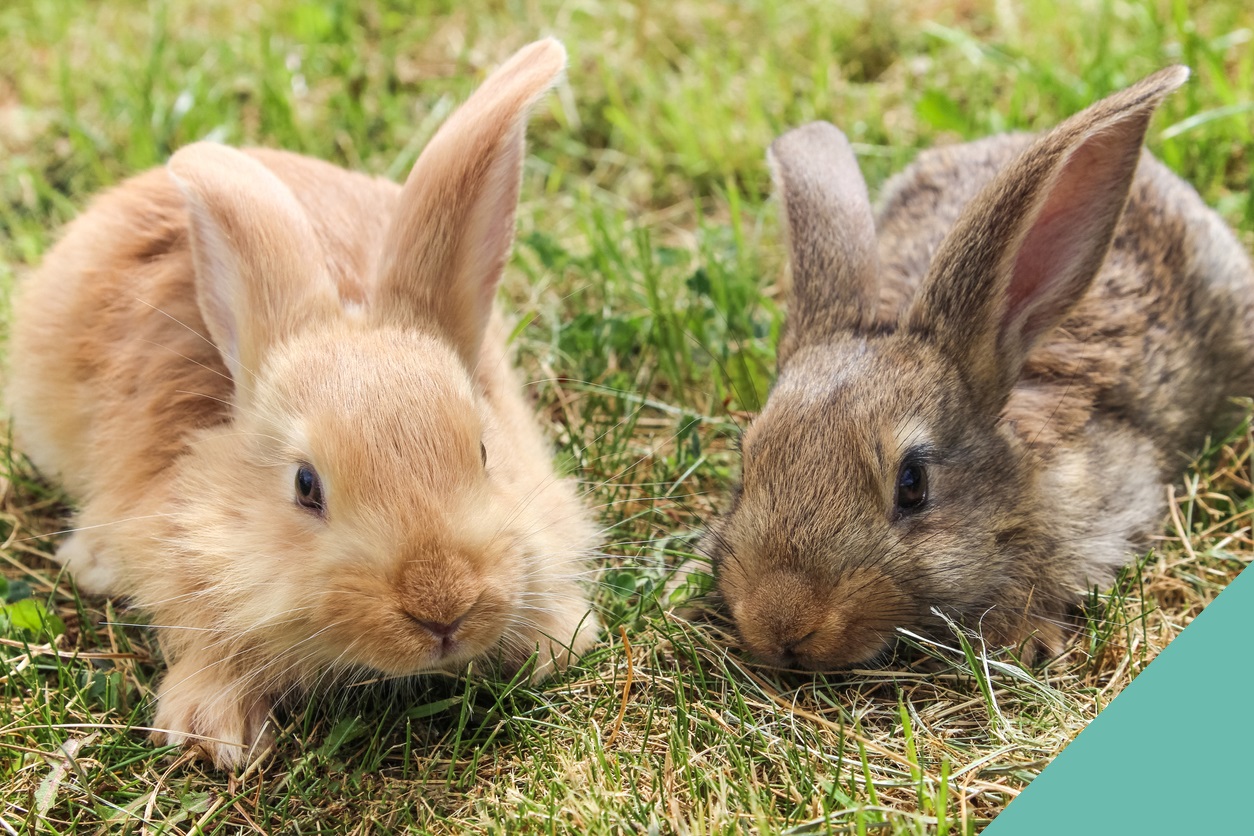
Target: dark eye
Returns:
[[911, 486], [483, 454], [309, 490]]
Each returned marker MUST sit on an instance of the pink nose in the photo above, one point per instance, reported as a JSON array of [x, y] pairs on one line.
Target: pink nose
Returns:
[[441, 630]]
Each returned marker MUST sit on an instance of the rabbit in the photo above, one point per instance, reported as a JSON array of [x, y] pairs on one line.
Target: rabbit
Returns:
[[984, 388], [279, 394]]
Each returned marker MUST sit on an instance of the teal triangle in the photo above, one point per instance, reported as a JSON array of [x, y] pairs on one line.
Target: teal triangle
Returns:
[[1171, 754]]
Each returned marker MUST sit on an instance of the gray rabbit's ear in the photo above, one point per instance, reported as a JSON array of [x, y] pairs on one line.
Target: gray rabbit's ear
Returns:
[[1026, 249], [831, 234]]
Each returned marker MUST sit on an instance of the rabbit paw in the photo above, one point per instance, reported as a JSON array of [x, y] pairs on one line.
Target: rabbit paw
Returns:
[[84, 557], [562, 636], [220, 719]]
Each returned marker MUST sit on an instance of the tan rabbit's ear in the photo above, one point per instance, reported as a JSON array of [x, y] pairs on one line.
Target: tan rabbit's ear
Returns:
[[259, 275], [454, 224], [1027, 247], [831, 234]]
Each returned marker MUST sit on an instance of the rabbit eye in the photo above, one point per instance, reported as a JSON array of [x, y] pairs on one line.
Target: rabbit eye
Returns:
[[309, 490], [483, 454], [911, 486]]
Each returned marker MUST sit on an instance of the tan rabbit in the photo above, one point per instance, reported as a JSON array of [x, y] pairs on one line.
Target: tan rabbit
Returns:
[[281, 397], [981, 398]]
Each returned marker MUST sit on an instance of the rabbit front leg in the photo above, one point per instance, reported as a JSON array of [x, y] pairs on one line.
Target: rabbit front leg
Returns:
[[85, 556], [562, 630], [207, 704], [108, 531]]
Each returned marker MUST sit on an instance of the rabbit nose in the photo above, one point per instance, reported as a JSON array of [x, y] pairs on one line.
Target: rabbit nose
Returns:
[[440, 629], [790, 646], [791, 653]]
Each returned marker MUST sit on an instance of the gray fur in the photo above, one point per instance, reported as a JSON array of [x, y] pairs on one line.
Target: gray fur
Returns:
[[1052, 353], [825, 206]]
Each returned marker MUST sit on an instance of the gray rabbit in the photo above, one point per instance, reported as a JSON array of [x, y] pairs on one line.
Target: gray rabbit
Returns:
[[984, 390]]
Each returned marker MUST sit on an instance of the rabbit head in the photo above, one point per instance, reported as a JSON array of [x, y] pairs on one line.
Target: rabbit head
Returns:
[[879, 486], [368, 504]]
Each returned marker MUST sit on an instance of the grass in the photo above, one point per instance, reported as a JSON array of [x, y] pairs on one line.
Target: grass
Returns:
[[649, 261]]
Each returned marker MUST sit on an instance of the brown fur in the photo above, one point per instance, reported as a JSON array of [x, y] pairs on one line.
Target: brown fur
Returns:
[[1048, 355], [202, 332]]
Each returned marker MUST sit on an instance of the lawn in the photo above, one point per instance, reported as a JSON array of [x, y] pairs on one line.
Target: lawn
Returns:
[[649, 272]]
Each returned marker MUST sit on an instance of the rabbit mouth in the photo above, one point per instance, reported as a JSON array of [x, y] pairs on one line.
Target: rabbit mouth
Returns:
[[794, 620], [398, 640], [448, 636], [448, 643], [423, 648], [813, 653]]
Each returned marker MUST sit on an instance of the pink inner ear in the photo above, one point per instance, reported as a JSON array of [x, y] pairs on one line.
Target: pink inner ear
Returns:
[[454, 226], [490, 228], [1065, 246], [217, 273], [1044, 259]]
